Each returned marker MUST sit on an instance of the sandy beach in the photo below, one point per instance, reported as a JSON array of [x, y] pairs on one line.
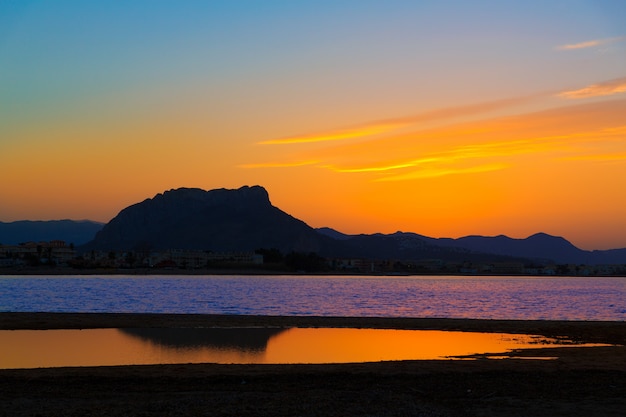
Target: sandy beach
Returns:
[[588, 381]]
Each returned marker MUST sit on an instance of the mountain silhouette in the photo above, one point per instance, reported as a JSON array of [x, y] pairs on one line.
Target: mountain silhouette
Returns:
[[70, 231], [244, 219], [540, 247], [217, 220]]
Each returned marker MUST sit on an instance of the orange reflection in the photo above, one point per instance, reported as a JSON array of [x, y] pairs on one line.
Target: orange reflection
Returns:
[[369, 345], [106, 347], [102, 347]]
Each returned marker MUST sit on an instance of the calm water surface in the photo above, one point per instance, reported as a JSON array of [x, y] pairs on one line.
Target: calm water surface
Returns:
[[536, 298], [102, 347]]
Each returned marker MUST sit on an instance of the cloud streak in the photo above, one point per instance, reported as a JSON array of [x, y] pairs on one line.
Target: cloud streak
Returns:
[[606, 88], [380, 168], [358, 131], [590, 44], [442, 172], [456, 160], [574, 132], [279, 164], [388, 125]]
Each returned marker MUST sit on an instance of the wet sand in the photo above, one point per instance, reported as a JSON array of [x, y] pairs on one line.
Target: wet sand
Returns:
[[587, 381]]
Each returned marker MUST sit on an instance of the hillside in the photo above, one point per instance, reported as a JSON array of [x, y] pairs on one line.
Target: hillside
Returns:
[[540, 247], [217, 220], [70, 231]]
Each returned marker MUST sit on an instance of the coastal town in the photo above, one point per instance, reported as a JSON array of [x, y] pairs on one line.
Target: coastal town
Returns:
[[33, 256]]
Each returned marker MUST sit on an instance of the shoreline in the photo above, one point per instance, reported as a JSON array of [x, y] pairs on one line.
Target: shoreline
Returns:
[[60, 270], [613, 332], [588, 381]]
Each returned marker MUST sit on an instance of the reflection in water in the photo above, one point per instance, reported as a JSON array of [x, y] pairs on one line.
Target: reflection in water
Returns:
[[102, 347], [248, 339]]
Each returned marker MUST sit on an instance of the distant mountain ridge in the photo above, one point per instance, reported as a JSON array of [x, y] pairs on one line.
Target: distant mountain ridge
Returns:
[[77, 232], [539, 247], [244, 219]]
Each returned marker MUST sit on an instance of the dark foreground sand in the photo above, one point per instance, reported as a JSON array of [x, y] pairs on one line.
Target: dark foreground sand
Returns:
[[582, 382]]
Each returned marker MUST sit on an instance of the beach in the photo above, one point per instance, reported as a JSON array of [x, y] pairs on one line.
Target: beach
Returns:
[[588, 381]]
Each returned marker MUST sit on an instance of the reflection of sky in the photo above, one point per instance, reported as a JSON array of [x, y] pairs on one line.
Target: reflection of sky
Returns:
[[104, 104], [99, 347]]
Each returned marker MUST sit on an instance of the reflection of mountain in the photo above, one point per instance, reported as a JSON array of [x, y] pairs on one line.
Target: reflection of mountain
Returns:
[[244, 339]]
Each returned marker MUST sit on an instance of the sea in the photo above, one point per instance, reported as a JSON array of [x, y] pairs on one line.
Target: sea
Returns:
[[478, 297]]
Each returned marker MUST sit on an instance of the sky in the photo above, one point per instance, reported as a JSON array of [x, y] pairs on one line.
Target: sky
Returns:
[[443, 118]]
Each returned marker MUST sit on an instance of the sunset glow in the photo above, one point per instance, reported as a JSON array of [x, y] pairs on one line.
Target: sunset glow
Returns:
[[444, 120]]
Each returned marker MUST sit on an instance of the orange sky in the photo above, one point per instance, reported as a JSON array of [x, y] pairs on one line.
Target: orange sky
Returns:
[[444, 121]]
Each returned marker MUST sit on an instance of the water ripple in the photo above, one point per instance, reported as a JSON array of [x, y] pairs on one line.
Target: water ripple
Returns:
[[536, 298]]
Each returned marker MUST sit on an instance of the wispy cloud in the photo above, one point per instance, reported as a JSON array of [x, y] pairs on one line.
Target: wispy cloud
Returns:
[[382, 167], [358, 131], [606, 88], [590, 44], [441, 172], [279, 164], [590, 131], [463, 159], [383, 126]]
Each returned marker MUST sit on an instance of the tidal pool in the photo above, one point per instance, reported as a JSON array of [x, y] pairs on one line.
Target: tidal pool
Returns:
[[107, 347]]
